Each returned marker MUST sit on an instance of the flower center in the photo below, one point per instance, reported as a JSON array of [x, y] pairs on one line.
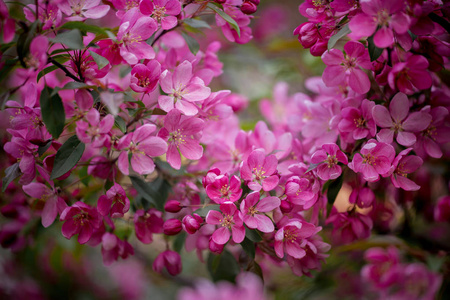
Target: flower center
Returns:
[[360, 123], [369, 159], [159, 12], [252, 211], [178, 137], [331, 161], [383, 17], [227, 221], [290, 236], [258, 173]]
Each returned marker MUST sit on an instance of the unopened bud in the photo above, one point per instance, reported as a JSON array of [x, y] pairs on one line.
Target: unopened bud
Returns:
[[172, 227], [248, 8], [173, 206], [192, 223]]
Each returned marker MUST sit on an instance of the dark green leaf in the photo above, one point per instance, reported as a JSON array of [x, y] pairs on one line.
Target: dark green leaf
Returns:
[[99, 60], [249, 247], [256, 269], [11, 173], [120, 123], [46, 71], [7, 68], [44, 148], [108, 184], [312, 167], [71, 39], [197, 23], [334, 188], [339, 35], [156, 191], [253, 235], [374, 51], [52, 111], [23, 43], [3, 99], [202, 212], [191, 42], [67, 157], [73, 85], [223, 266], [84, 27], [179, 241], [225, 16]]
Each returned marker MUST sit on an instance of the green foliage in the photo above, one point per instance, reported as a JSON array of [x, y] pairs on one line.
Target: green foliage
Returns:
[[67, 156], [52, 111]]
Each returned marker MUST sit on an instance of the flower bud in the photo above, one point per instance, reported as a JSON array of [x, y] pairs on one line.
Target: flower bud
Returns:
[[210, 177], [173, 206], [214, 247], [248, 8], [172, 227], [169, 259], [285, 206], [192, 223]]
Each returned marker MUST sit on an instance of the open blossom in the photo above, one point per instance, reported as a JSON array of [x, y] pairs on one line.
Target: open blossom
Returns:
[[328, 158], [144, 78], [81, 219], [386, 15], [397, 121], [183, 90], [25, 152], [316, 250], [7, 24], [170, 260], [80, 10], [293, 237], [410, 75], [228, 219], [48, 13], [253, 209], [242, 21], [142, 147], [374, 159], [115, 202], [363, 197], [260, 171], [95, 131], [182, 134], [383, 268], [349, 226], [405, 164], [224, 188], [358, 121], [113, 247], [146, 223], [299, 191], [164, 11], [345, 69]]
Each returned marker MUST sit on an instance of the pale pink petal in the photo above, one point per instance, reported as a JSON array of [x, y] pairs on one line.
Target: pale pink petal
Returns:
[[123, 164], [333, 76], [381, 116], [294, 250], [417, 121], [214, 217], [268, 204], [363, 25], [173, 156], [238, 233], [196, 92], [166, 103], [406, 139], [169, 22], [142, 164], [182, 75], [153, 146], [270, 183], [187, 108]]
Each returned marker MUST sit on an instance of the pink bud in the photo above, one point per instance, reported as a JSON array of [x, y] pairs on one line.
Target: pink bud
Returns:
[[256, 2], [169, 259], [192, 223], [173, 206], [172, 227], [214, 247], [210, 177], [248, 8], [286, 206]]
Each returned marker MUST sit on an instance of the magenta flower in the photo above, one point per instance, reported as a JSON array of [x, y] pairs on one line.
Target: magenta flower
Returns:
[[328, 158], [260, 171], [386, 15], [224, 189], [113, 247], [53, 202], [170, 260], [315, 37], [49, 14], [229, 219], [442, 209], [359, 122], [182, 89], [7, 24], [399, 122], [242, 21], [192, 223], [144, 78], [315, 254], [349, 226], [37, 58], [183, 134], [133, 33], [95, 131], [299, 191], [343, 70], [146, 223], [24, 152], [142, 147], [115, 202], [252, 209], [383, 268], [164, 11], [80, 10], [374, 159], [81, 219], [410, 75], [404, 165], [292, 238], [362, 196]]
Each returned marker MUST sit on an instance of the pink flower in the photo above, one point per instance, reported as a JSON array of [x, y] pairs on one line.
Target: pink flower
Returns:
[[383, 268], [328, 159], [374, 159], [223, 189], [299, 191], [53, 202], [133, 32], [192, 223], [80, 10], [410, 75], [349, 226], [95, 131], [384, 14], [142, 147], [25, 153], [170, 260], [315, 254], [315, 36], [81, 219], [115, 202], [164, 11], [399, 122], [241, 19], [359, 122], [229, 219], [183, 134], [442, 209], [49, 14], [113, 247], [37, 58], [144, 78], [260, 171], [252, 209], [172, 227], [404, 165], [345, 69], [293, 237], [362, 196], [7, 24], [183, 90], [146, 223]]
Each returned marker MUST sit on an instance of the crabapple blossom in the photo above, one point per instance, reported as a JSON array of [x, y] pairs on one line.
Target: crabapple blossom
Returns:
[[328, 158], [192, 223], [405, 164], [164, 11], [293, 237], [113, 247], [80, 10], [146, 223], [172, 227], [252, 207], [359, 122], [410, 75], [224, 189], [349, 226], [94, 131], [115, 202], [170, 260], [260, 170], [81, 219], [299, 191], [229, 219], [144, 78]]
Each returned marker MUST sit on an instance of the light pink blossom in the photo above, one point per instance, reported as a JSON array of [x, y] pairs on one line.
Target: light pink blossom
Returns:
[[252, 209], [405, 164], [80, 10], [164, 11], [328, 158], [95, 131], [260, 171], [293, 237]]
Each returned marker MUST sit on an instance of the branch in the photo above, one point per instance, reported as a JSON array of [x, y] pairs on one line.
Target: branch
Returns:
[[51, 60]]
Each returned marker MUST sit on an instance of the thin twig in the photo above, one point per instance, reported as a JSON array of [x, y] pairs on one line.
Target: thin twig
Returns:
[[51, 60]]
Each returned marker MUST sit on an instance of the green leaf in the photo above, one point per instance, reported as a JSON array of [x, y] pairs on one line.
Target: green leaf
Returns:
[[374, 51], [67, 156], [156, 191], [8, 66], [195, 23], [120, 123], [83, 27], [46, 71], [253, 235], [179, 241], [339, 35], [256, 269], [71, 39], [84, 176], [11, 173], [249, 247], [225, 16], [3, 99], [52, 111], [99, 60], [24, 41], [202, 212], [191, 42], [223, 266], [73, 85], [312, 167], [42, 149], [334, 188]]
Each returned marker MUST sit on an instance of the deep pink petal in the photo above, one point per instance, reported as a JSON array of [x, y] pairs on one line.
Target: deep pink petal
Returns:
[[381, 116], [221, 235], [294, 250], [399, 107], [238, 233], [214, 217], [268, 204], [359, 81], [384, 37]]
